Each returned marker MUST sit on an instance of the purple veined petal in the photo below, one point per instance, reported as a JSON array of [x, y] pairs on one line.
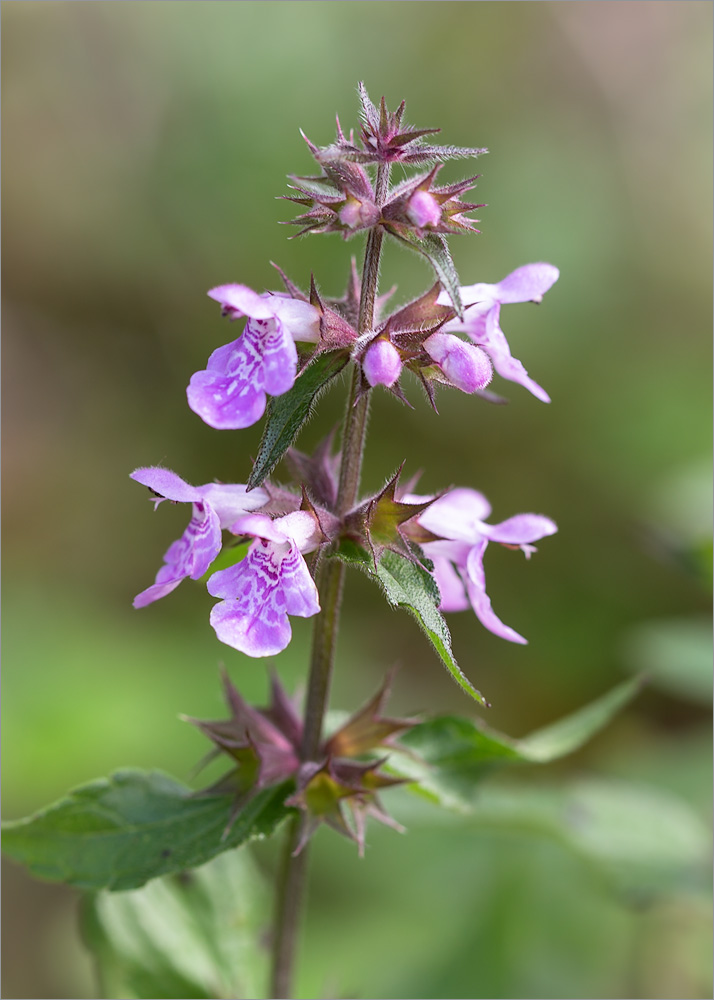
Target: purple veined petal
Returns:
[[467, 367], [475, 580], [526, 284], [195, 550], [167, 483], [271, 339], [155, 592], [496, 346], [230, 393], [224, 403], [520, 529], [188, 556], [231, 500], [243, 300], [451, 586], [253, 618], [300, 592], [301, 320], [457, 515]]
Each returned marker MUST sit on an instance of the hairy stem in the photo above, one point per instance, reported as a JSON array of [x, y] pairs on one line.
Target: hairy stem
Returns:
[[329, 578]]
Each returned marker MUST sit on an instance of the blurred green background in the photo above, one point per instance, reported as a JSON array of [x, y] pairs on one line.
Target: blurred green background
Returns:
[[144, 145]]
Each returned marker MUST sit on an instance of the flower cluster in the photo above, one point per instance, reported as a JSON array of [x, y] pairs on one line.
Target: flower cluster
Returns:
[[339, 788], [272, 580], [449, 335], [271, 536]]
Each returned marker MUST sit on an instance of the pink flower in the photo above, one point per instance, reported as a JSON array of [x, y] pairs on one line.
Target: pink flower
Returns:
[[269, 584], [231, 392], [214, 507], [458, 517], [482, 313]]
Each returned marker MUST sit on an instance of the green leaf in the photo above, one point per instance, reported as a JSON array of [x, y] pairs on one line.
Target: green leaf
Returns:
[[434, 247], [454, 754], [194, 935], [406, 585], [644, 839], [287, 413], [121, 831]]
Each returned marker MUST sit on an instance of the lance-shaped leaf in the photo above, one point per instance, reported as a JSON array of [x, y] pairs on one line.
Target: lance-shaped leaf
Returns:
[[449, 755], [410, 586], [198, 935], [121, 831], [287, 413], [435, 249]]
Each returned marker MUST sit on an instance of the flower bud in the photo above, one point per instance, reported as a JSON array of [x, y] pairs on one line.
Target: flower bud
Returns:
[[382, 363], [423, 209], [465, 366], [358, 214]]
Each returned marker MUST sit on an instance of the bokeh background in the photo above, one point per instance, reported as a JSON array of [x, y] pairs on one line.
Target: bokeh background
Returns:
[[144, 147]]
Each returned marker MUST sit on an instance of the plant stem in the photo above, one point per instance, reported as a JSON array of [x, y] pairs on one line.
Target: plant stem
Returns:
[[329, 578]]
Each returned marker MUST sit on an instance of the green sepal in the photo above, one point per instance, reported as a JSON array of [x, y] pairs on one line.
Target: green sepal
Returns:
[[380, 521], [287, 413], [408, 585], [121, 831]]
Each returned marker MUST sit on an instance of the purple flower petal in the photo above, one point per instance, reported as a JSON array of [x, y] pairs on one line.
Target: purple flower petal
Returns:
[[155, 592], [466, 367], [223, 402], [451, 586], [167, 483], [271, 581], [457, 515], [494, 342], [520, 529], [230, 393], [250, 632], [475, 581], [259, 525], [240, 300], [527, 284], [214, 506], [231, 500], [190, 555], [301, 597]]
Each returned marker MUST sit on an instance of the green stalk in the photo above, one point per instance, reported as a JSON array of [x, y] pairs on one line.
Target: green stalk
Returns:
[[292, 876]]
